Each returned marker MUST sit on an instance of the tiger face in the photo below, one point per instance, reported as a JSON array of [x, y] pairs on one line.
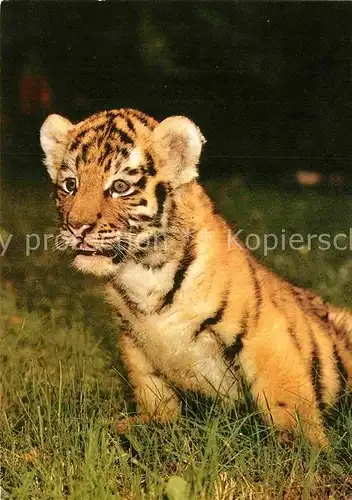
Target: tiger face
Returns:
[[115, 175]]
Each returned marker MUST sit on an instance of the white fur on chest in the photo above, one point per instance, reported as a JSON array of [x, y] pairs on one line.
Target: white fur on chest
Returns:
[[146, 286], [168, 341], [167, 337]]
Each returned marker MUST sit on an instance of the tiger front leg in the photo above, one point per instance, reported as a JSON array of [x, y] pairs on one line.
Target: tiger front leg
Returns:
[[156, 400]]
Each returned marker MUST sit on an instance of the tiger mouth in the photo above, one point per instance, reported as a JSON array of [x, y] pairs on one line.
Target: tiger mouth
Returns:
[[93, 252]]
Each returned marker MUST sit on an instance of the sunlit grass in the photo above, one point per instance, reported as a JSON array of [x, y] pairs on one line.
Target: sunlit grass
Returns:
[[63, 387]]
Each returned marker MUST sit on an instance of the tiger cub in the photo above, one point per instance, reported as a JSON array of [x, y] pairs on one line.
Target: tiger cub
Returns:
[[195, 308]]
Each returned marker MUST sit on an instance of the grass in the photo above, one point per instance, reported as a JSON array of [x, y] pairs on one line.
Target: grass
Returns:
[[63, 387]]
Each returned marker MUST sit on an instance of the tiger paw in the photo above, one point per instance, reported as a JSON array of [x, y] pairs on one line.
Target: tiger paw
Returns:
[[124, 425]]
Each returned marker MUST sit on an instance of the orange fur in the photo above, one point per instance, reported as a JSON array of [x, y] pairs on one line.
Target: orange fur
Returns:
[[195, 309]]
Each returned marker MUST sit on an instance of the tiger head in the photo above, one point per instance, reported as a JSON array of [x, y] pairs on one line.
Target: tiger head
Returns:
[[116, 175]]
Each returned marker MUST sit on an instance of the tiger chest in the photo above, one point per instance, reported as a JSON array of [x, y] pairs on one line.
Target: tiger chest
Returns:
[[144, 287], [167, 337], [168, 342]]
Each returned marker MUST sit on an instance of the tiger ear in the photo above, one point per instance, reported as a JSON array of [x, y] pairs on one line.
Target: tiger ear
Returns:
[[178, 142], [53, 140]]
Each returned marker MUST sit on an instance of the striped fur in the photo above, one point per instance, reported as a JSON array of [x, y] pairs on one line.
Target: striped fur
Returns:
[[199, 313]]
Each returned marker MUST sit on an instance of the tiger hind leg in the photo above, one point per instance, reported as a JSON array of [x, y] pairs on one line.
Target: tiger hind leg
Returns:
[[304, 417], [286, 399]]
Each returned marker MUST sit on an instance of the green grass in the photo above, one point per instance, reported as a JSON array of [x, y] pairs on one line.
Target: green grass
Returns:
[[63, 387]]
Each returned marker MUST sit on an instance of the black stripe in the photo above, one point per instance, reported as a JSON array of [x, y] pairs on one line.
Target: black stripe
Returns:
[[257, 291], [343, 375], [100, 141], [134, 229], [124, 137], [130, 124], [212, 320], [99, 128], [61, 189], [181, 273], [150, 165], [132, 171], [65, 168], [124, 152], [118, 258], [293, 336], [316, 375], [141, 183], [132, 306], [107, 149], [231, 352], [108, 165], [84, 152], [290, 327], [315, 358], [112, 114], [145, 217], [141, 117], [77, 140], [160, 194], [139, 254], [111, 125], [172, 209], [302, 307]]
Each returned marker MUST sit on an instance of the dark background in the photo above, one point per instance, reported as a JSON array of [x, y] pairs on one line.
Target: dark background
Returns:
[[269, 84]]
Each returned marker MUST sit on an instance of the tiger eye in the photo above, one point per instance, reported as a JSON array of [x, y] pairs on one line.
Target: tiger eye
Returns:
[[119, 186], [70, 185]]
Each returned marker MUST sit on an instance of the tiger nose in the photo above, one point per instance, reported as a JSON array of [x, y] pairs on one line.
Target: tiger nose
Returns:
[[78, 229]]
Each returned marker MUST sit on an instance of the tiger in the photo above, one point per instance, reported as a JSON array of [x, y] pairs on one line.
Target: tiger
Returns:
[[198, 311]]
